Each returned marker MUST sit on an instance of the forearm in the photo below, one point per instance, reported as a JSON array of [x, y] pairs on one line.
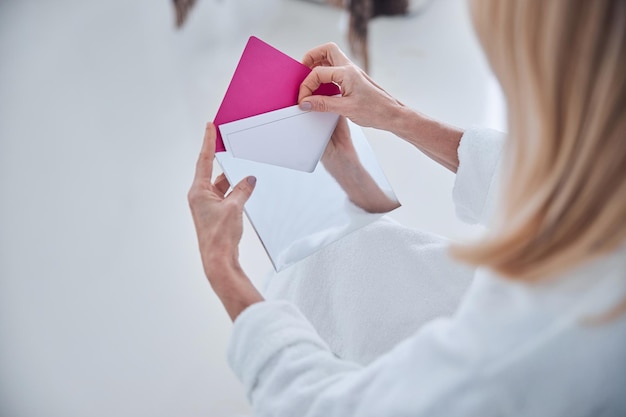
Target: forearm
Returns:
[[361, 188], [437, 140]]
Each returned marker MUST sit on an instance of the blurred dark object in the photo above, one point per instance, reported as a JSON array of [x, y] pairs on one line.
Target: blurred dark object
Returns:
[[361, 12], [182, 8]]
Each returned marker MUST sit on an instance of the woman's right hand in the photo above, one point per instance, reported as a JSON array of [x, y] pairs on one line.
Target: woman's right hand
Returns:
[[362, 100], [366, 104]]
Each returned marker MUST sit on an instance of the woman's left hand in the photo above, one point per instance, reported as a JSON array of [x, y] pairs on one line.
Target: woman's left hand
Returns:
[[342, 162], [219, 225]]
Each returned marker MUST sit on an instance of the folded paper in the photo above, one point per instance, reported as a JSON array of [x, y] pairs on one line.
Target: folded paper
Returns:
[[265, 80]]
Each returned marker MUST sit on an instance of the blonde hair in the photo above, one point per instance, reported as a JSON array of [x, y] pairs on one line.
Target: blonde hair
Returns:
[[562, 67]]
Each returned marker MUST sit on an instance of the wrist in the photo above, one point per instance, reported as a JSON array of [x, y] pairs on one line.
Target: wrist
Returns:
[[232, 286], [408, 124], [437, 140], [395, 115], [221, 267]]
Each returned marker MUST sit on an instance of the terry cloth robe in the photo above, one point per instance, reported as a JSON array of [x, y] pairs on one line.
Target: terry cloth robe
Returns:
[[383, 336]]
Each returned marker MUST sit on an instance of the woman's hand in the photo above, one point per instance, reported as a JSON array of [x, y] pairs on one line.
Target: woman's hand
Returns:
[[366, 104], [219, 225], [362, 100]]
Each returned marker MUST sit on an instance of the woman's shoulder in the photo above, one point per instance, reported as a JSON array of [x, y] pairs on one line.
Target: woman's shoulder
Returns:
[[589, 290], [513, 316], [554, 338]]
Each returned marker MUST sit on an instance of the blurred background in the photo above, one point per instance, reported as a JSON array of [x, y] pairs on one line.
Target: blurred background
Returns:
[[104, 309]]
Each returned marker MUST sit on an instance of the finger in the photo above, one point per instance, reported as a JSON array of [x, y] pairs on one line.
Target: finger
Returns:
[[325, 55], [319, 76], [222, 184], [204, 166], [242, 191], [325, 104]]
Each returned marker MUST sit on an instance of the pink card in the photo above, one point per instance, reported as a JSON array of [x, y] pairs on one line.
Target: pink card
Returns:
[[265, 80]]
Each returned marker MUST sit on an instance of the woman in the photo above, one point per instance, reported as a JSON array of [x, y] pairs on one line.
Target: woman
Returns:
[[542, 328]]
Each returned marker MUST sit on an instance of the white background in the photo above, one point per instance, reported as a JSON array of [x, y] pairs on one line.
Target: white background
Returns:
[[104, 310]]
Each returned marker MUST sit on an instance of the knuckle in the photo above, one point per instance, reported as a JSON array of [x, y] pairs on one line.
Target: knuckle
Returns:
[[316, 73], [352, 70], [231, 205], [243, 187], [192, 196], [309, 82]]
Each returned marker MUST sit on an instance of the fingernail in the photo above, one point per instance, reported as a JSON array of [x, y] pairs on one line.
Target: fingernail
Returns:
[[305, 105], [252, 181]]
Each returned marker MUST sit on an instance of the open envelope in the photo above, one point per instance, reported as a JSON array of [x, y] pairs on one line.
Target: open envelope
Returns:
[[294, 212], [297, 213], [266, 80]]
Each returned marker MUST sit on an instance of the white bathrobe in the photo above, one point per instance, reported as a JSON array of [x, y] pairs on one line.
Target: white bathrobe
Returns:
[[372, 326]]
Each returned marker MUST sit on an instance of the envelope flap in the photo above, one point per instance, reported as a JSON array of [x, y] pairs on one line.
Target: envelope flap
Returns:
[[288, 137]]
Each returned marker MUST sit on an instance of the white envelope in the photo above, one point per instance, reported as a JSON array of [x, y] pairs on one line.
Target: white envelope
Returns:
[[289, 137]]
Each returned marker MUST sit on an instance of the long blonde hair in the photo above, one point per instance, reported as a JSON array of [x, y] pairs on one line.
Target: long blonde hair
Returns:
[[562, 67]]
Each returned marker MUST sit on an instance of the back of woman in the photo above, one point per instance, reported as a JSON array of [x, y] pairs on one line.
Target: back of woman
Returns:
[[542, 327]]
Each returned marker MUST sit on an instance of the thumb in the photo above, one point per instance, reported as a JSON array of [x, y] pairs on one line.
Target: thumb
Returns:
[[322, 104], [242, 191]]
